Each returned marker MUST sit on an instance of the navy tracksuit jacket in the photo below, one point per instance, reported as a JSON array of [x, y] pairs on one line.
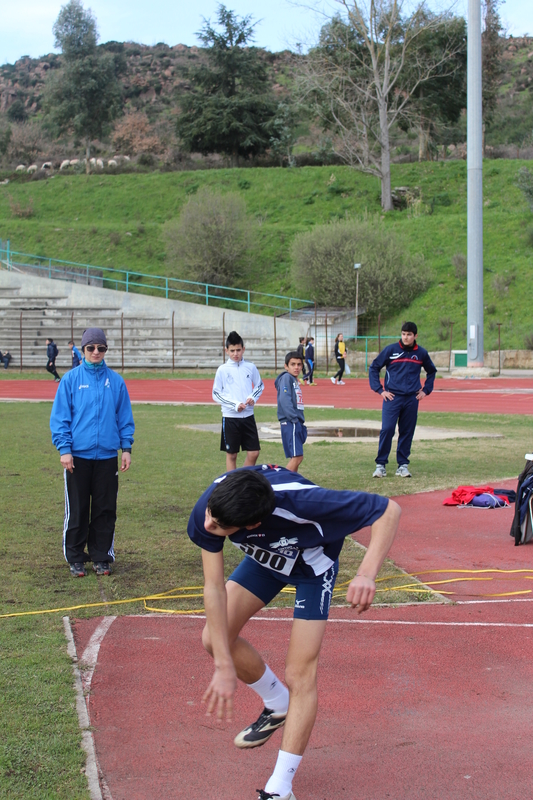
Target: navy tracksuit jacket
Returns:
[[402, 378]]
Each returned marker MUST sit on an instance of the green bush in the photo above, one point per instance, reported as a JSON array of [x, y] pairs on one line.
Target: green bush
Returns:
[[213, 240], [323, 266]]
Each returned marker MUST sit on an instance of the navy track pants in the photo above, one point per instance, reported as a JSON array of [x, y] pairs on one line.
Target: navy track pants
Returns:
[[403, 409], [90, 510]]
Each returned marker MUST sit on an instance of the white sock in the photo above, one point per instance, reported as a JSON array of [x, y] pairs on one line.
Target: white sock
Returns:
[[280, 782], [272, 692]]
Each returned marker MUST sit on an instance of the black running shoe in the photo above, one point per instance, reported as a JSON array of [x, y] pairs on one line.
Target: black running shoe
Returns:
[[78, 570], [102, 567], [266, 796], [261, 730]]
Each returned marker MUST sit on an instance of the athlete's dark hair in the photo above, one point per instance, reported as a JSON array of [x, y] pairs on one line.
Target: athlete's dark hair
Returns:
[[234, 338], [242, 498], [292, 354], [70, 341], [301, 339], [410, 327]]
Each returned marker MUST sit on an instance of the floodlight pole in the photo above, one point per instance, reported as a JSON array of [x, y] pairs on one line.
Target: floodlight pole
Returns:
[[474, 144], [356, 267]]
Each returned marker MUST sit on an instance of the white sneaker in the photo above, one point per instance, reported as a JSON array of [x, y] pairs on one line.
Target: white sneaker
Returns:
[[266, 796], [380, 472], [333, 380], [403, 471], [341, 383]]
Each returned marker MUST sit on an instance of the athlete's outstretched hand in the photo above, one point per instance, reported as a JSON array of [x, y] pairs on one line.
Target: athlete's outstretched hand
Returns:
[[361, 592], [219, 694]]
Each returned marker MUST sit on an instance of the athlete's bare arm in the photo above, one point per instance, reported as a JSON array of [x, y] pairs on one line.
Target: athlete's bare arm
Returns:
[[219, 694], [362, 588]]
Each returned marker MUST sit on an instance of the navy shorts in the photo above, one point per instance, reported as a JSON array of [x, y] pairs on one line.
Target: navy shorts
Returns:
[[313, 594], [293, 436], [239, 433]]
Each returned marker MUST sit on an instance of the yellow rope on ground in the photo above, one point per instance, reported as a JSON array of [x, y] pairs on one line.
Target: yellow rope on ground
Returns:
[[184, 592]]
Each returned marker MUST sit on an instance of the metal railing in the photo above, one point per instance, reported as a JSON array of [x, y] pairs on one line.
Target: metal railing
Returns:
[[145, 283]]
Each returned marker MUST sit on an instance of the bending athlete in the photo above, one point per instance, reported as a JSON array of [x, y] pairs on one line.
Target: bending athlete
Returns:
[[292, 532]]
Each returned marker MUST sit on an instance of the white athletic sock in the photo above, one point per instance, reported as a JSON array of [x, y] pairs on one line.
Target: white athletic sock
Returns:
[[280, 782], [272, 692]]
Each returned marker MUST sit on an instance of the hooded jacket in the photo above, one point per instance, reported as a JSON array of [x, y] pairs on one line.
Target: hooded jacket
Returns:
[[91, 415], [290, 398]]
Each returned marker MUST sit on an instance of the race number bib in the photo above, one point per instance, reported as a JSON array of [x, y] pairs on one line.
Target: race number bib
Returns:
[[282, 563]]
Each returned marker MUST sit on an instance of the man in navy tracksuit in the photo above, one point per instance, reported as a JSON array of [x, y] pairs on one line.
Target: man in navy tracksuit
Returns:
[[91, 420], [402, 393]]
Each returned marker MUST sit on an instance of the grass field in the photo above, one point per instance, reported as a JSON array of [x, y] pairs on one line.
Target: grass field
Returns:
[[40, 754], [116, 221]]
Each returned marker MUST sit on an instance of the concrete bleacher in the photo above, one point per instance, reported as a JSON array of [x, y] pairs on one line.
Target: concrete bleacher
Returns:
[[138, 327]]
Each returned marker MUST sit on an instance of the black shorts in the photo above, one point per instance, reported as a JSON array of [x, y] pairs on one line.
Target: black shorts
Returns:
[[239, 434]]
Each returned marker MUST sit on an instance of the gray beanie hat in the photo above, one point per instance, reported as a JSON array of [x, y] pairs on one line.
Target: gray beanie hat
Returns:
[[93, 336]]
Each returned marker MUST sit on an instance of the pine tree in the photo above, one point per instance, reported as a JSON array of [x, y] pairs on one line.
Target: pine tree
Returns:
[[491, 50], [231, 109]]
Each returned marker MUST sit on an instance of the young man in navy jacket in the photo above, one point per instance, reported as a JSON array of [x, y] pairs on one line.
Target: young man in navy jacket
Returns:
[[401, 394], [91, 420]]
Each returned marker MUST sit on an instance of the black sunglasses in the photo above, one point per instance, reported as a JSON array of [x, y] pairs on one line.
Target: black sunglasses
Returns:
[[102, 348]]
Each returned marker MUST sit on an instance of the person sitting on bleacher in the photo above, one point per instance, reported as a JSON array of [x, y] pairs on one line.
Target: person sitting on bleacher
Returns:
[[5, 358]]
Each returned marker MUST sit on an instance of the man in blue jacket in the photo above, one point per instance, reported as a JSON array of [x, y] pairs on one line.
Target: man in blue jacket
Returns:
[[91, 420], [401, 395]]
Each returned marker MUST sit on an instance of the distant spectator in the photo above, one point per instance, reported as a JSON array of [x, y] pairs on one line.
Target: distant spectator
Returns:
[[291, 411], [310, 360], [76, 355], [5, 358], [340, 355], [51, 354], [302, 342]]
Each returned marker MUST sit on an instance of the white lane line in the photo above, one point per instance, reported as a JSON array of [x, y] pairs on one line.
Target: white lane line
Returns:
[[90, 654], [509, 600], [87, 741], [377, 622]]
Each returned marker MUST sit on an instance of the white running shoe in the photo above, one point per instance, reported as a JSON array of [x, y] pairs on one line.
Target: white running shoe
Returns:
[[341, 383], [403, 471], [333, 381], [380, 472]]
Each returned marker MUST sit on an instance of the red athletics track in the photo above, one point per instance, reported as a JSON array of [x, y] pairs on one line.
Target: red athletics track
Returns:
[[419, 702], [489, 396]]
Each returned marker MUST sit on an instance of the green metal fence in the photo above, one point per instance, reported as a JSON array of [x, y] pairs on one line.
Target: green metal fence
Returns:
[[145, 283]]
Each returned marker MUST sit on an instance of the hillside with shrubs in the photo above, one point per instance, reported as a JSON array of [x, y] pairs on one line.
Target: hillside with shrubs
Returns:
[[155, 79]]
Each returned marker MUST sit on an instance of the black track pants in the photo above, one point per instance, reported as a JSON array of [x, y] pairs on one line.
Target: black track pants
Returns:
[[90, 510]]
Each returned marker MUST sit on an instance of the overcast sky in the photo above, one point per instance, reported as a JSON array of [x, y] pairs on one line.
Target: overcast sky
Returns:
[[26, 25]]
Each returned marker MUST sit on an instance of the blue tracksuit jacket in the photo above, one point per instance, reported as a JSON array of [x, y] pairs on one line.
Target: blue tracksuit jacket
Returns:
[[290, 398], [403, 370], [91, 415]]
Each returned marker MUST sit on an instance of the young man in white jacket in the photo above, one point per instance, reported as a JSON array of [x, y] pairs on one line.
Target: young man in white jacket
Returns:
[[237, 388]]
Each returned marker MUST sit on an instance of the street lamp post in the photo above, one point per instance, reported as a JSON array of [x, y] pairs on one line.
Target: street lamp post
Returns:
[[356, 267]]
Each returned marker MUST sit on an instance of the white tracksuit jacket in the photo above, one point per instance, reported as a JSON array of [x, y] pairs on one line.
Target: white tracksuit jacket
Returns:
[[235, 382]]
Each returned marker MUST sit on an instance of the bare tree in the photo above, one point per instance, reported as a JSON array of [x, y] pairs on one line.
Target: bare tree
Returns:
[[361, 77]]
